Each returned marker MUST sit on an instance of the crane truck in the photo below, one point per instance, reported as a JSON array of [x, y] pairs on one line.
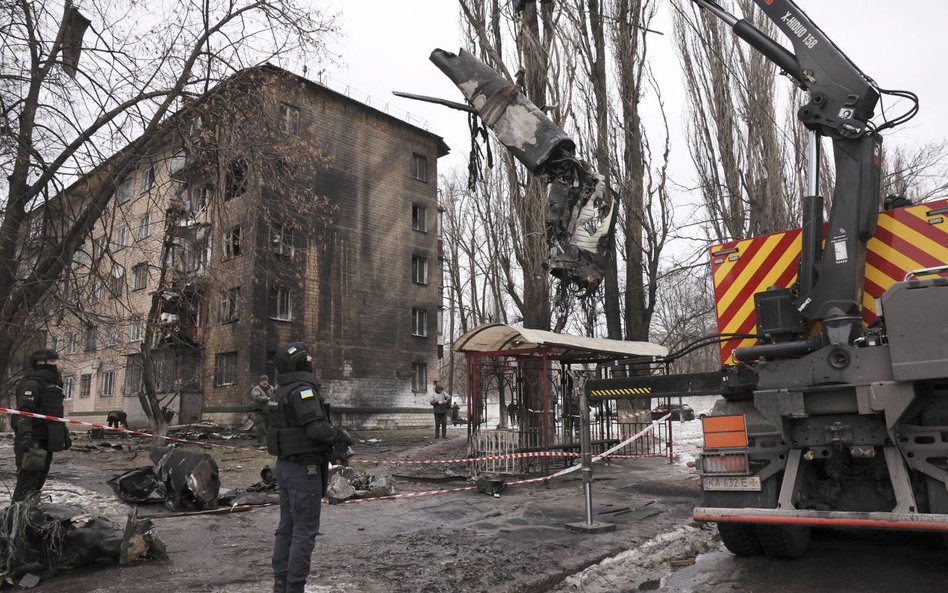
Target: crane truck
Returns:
[[833, 336]]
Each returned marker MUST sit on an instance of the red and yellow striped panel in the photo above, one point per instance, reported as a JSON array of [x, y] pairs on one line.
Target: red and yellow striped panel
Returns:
[[906, 239]]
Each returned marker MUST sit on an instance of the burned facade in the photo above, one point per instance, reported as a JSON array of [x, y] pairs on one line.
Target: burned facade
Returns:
[[275, 210]]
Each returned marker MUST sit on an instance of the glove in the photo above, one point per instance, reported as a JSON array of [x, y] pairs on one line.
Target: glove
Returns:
[[67, 441], [344, 437], [341, 454], [24, 444]]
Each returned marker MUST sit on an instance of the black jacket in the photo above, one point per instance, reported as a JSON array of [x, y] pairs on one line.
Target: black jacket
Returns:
[[41, 392]]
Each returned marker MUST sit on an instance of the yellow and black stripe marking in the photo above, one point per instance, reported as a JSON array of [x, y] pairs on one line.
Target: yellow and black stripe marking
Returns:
[[620, 392]]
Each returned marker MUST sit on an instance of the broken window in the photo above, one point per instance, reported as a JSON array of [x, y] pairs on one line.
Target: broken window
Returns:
[[177, 162], [106, 384], [195, 257], [419, 217], [419, 376], [123, 192], [148, 179], [282, 240], [289, 119], [281, 304], [419, 167], [144, 225], [67, 387], [139, 276], [236, 180], [71, 343], [85, 385], [419, 269], [227, 311], [419, 322], [225, 369], [232, 243]]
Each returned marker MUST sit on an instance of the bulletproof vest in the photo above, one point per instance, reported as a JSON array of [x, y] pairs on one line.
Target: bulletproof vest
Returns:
[[48, 401], [289, 414]]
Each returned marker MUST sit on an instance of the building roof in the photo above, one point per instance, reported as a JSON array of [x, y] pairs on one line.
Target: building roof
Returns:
[[508, 340]]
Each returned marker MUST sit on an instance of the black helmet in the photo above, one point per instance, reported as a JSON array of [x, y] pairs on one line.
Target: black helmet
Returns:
[[45, 354], [294, 357]]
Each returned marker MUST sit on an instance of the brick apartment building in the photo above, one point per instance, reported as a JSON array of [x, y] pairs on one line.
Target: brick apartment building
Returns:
[[276, 210]]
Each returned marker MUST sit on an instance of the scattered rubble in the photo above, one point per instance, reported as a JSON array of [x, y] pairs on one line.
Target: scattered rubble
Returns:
[[345, 483]]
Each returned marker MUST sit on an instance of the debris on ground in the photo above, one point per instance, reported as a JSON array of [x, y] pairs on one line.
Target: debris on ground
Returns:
[[490, 484], [181, 478], [38, 539], [345, 483]]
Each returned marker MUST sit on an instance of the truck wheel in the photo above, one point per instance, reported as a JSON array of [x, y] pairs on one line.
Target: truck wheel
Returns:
[[740, 539], [782, 541]]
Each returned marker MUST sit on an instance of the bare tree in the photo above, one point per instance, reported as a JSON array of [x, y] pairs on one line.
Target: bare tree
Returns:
[[737, 144], [63, 116]]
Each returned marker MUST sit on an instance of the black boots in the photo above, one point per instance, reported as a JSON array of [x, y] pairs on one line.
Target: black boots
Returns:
[[279, 583], [295, 587]]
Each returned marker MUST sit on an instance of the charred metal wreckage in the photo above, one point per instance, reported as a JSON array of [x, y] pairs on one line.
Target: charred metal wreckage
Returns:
[[580, 217], [38, 539]]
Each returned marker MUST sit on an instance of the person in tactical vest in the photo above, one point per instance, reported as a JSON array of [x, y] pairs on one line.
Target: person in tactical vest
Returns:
[[41, 392], [301, 436]]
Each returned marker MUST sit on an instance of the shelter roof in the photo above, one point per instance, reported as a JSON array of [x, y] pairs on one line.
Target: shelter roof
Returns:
[[499, 339]]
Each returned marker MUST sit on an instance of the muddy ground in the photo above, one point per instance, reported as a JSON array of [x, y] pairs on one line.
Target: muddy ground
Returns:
[[457, 541]]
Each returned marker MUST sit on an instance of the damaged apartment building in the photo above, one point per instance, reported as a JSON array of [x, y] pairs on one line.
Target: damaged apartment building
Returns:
[[274, 210]]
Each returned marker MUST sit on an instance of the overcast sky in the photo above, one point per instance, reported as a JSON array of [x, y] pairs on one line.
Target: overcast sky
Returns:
[[385, 46]]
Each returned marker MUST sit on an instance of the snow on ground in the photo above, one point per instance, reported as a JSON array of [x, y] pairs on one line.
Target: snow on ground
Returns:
[[687, 435], [644, 566]]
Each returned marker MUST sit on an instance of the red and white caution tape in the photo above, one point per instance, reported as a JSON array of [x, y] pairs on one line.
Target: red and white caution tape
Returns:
[[562, 472], [137, 433], [467, 459]]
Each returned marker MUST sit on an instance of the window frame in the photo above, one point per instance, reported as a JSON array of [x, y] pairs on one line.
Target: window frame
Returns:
[[90, 339], [117, 280], [148, 178], [282, 304], [225, 363], [289, 119], [140, 276], [122, 236], [419, 377], [107, 383], [231, 243], [419, 169], [144, 226], [136, 324], [419, 217], [227, 311], [419, 322], [279, 233], [85, 385], [419, 269], [123, 192], [67, 388]]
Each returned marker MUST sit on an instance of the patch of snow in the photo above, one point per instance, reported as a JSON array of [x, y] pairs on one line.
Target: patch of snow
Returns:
[[647, 562]]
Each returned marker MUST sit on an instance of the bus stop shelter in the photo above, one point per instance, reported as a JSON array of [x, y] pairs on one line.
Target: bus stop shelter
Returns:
[[540, 369]]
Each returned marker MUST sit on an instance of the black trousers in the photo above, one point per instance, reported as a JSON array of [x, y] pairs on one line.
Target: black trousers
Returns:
[[441, 420], [301, 493], [28, 482]]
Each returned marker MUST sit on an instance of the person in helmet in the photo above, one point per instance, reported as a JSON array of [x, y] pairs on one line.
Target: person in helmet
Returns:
[[301, 436], [41, 392]]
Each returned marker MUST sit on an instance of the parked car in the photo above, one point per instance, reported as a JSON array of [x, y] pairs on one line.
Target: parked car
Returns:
[[681, 412]]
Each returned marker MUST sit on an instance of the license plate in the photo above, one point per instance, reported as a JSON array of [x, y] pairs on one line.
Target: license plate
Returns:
[[730, 483]]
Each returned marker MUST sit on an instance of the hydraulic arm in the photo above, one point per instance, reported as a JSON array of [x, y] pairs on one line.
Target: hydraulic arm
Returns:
[[840, 106]]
